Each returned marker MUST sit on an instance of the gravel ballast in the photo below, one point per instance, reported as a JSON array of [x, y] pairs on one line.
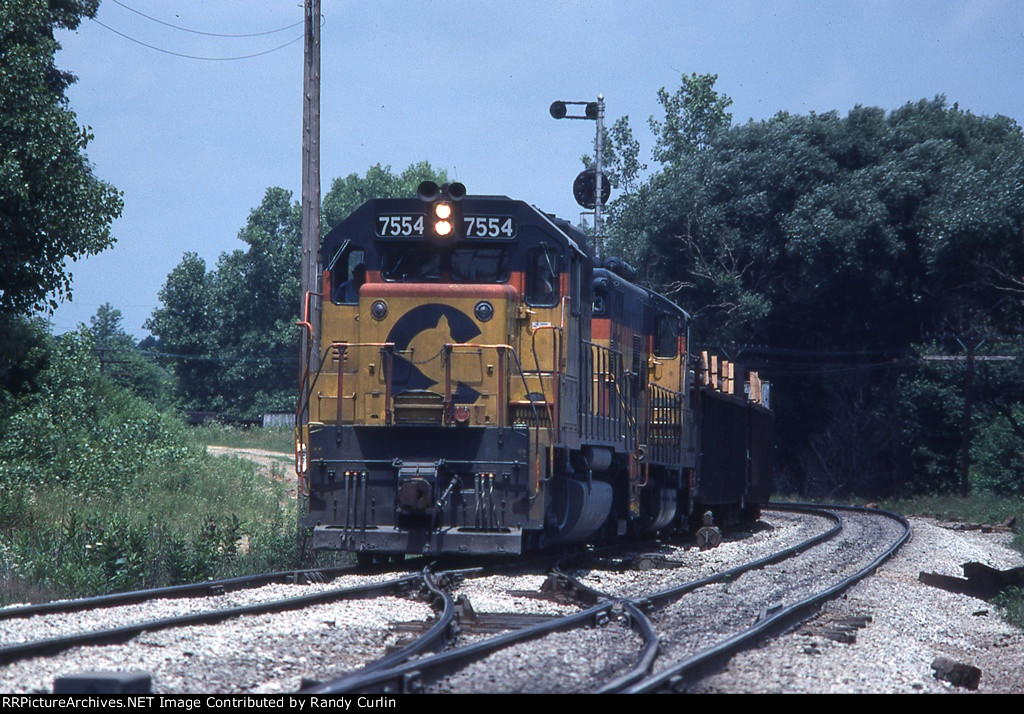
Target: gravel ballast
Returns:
[[902, 628], [911, 624]]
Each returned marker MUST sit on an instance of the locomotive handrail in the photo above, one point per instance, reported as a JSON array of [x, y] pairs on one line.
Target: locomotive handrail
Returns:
[[304, 375], [500, 349], [656, 412], [600, 370], [387, 350], [301, 447], [553, 406]]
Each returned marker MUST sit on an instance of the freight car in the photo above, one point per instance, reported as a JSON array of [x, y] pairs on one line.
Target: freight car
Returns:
[[485, 387]]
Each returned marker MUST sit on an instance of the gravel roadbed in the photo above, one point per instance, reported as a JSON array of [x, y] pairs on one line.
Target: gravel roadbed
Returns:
[[562, 662], [46, 626], [263, 653], [910, 625], [777, 530]]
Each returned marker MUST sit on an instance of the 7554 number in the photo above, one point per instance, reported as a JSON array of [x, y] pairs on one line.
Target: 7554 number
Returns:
[[400, 226], [489, 226]]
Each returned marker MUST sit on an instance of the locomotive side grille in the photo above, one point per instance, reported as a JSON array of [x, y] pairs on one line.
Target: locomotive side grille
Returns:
[[530, 415], [419, 407]]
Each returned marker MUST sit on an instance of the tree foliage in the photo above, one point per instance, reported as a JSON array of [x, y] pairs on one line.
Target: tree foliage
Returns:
[[888, 224], [229, 332], [186, 328], [255, 300], [694, 113], [123, 362], [52, 207], [823, 248]]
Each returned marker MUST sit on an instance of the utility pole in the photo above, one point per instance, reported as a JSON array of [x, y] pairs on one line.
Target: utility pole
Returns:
[[309, 354], [970, 359], [965, 448], [599, 177]]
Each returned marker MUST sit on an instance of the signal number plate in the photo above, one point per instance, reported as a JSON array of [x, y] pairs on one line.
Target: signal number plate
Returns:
[[489, 226], [400, 226]]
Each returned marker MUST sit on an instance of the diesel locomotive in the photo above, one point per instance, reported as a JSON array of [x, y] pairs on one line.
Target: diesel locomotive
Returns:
[[484, 386]]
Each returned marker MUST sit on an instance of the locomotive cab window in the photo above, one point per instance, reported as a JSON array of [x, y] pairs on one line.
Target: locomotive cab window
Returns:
[[542, 276], [480, 265], [409, 263], [666, 332], [348, 273]]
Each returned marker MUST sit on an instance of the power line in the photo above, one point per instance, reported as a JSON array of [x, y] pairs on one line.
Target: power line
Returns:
[[200, 32], [196, 57]]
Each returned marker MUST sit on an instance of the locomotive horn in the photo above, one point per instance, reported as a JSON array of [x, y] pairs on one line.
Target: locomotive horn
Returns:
[[428, 191], [456, 191]]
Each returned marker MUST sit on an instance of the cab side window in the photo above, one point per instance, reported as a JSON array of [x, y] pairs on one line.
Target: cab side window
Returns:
[[542, 276], [348, 275], [666, 331]]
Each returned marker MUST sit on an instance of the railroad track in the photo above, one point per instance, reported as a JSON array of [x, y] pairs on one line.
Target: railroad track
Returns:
[[615, 620], [187, 636], [647, 641]]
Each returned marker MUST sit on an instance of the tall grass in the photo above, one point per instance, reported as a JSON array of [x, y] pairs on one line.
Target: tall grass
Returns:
[[100, 492]]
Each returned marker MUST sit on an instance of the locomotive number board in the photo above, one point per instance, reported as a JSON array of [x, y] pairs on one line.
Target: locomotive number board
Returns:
[[407, 225], [489, 226], [414, 225]]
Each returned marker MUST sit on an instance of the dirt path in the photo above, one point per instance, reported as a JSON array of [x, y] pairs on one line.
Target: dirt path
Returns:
[[277, 466]]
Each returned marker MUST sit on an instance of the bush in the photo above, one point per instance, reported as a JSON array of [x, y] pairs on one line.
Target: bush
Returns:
[[997, 455], [81, 430], [100, 492]]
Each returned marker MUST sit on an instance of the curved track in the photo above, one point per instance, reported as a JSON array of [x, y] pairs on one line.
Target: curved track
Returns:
[[487, 665], [628, 619]]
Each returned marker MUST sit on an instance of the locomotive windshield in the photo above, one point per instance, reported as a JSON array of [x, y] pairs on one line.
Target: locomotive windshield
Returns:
[[413, 263], [409, 263], [480, 265], [542, 275]]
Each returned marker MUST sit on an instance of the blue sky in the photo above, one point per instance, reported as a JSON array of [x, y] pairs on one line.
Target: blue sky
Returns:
[[194, 144]]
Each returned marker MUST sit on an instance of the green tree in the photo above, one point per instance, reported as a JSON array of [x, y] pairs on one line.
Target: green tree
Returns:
[[694, 113], [254, 296], [24, 355], [52, 207], [840, 242], [122, 362], [620, 156], [830, 232], [186, 327]]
